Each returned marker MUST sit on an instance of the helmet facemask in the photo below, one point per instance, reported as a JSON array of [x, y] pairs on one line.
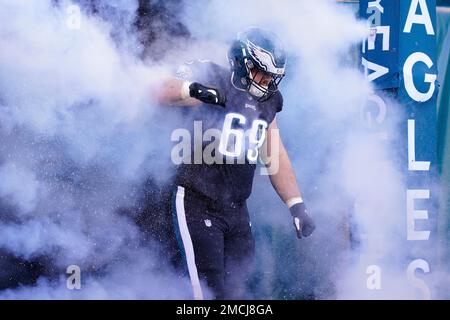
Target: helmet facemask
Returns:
[[261, 91]]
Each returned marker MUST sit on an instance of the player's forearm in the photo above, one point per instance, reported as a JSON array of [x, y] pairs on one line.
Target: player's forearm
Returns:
[[173, 92], [284, 180]]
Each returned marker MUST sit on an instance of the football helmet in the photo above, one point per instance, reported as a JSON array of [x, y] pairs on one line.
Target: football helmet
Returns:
[[257, 54]]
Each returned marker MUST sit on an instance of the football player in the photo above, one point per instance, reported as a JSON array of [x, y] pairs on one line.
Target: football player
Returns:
[[210, 212]]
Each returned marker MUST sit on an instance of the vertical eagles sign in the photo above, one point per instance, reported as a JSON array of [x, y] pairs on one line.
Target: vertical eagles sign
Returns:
[[399, 58]]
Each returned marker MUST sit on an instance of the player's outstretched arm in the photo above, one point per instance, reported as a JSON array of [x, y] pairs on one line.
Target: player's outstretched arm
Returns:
[[173, 92], [178, 92], [285, 183]]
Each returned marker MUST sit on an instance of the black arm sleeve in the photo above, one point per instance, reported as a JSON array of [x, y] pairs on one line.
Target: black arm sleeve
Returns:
[[279, 102]]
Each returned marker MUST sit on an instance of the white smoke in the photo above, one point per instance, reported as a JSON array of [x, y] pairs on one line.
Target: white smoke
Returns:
[[143, 278], [79, 135]]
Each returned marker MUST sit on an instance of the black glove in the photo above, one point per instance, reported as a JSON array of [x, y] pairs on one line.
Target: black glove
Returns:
[[206, 94], [303, 223]]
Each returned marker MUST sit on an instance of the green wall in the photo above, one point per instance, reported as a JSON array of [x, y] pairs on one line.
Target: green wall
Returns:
[[443, 50]]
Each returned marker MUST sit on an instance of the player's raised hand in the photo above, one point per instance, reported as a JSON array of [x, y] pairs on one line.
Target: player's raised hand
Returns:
[[304, 225], [206, 94]]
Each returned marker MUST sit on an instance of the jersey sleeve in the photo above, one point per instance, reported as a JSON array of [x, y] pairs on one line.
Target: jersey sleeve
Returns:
[[279, 102], [196, 71]]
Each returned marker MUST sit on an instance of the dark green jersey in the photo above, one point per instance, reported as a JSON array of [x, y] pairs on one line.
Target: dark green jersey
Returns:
[[231, 136]]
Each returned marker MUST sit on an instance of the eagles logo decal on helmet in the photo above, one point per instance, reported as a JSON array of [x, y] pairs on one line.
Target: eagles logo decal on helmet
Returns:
[[264, 58]]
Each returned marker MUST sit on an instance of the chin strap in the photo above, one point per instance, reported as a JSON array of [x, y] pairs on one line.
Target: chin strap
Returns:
[[255, 90]]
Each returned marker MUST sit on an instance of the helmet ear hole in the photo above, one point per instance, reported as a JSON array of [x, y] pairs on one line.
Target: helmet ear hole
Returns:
[[250, 64]]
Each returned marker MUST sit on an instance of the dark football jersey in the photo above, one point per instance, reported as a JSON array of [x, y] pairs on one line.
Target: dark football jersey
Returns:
[[229, 137]]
